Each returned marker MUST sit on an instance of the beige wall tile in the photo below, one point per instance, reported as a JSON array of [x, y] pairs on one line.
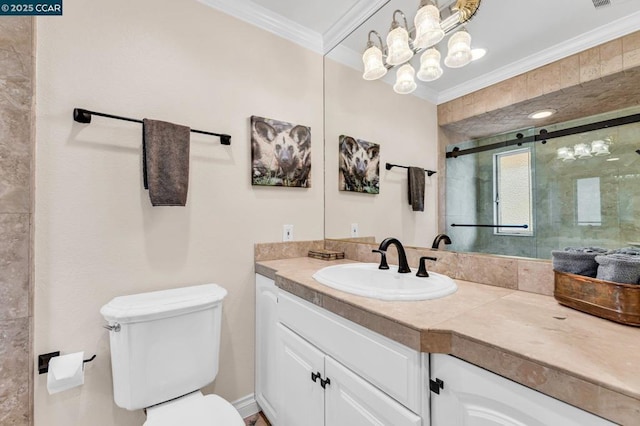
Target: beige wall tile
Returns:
[[631, 50], [492, 270], [519, 93], [500, 95], [570, 71], [444, 113], [535, 277], [551, 78], [270, 251], [535, 83], [457, 109], [16, 75], [14, 371], [589, 65], [14, 266], [611, 57]]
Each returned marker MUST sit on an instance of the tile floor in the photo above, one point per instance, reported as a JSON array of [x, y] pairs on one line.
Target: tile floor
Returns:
[[257, 420]]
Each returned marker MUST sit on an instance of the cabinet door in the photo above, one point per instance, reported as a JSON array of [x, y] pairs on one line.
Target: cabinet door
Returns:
[[301, 398], [351, 401], [266, 380], [472, 396]]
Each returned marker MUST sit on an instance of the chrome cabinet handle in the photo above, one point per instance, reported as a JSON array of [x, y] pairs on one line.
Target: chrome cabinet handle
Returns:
[[115, 327]]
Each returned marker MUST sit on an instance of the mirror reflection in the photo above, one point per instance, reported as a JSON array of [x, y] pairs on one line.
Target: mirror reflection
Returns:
[[577, 190], [534, 197]]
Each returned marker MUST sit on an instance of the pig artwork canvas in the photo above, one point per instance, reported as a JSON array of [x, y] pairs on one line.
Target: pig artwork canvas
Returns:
[[280, 153], [359, 165]]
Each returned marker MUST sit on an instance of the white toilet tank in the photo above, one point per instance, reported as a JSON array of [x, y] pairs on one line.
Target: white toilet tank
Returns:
[[167, 344]]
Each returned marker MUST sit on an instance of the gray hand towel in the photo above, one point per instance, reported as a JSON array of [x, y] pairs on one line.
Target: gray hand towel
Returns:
[[619, 268], [415, 176], [167, 158], [577, 260]]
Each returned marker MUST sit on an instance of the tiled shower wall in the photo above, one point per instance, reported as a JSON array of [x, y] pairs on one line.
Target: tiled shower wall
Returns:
[[16, 208]]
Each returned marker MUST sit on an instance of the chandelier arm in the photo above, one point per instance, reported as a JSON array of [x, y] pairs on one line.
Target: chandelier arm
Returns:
[[370, 43], [404, 18]]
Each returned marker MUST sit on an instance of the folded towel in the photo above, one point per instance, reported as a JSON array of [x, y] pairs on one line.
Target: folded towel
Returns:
[[577, 260], [415, 176], [166, 150], [632, 251], [619, 268]]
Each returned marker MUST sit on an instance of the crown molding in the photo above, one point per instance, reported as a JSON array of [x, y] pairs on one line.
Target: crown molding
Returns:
[[595, 37], [264, 18], [352, 19]]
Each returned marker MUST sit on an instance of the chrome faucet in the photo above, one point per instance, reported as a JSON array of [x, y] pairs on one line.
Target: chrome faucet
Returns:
[[439, 238], [403, 265]]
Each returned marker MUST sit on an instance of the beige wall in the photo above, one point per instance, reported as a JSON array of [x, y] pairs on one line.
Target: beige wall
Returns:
[[16, 146], [97, 235], [406, 129]]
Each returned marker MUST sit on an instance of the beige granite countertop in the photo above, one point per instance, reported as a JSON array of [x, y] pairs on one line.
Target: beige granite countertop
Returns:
[[589, 362]]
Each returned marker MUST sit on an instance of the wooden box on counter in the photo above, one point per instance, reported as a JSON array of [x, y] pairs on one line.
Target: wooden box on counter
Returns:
[[605, 299]]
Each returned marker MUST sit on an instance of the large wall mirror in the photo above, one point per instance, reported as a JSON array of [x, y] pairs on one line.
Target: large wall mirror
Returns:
[[590, 201]]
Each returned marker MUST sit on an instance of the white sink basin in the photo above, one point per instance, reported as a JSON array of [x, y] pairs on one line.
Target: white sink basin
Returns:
[[365, 279]]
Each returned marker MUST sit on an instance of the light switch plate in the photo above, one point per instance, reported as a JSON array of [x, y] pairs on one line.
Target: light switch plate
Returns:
[[287, 232]]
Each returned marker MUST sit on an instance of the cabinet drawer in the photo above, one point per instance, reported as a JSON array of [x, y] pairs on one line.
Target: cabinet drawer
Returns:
[[388, 365]]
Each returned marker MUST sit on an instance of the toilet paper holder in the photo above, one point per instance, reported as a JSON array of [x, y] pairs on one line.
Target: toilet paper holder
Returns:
[[43, 361]]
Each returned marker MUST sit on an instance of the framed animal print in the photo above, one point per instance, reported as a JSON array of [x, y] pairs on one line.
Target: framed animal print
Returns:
[[359, 165], [280, 153]]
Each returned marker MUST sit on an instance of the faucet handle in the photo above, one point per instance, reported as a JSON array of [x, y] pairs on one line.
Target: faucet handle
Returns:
[[383, 260], [422, 269]]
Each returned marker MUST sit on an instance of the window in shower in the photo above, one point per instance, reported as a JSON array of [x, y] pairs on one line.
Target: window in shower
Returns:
[[588, 209], [513, 192]]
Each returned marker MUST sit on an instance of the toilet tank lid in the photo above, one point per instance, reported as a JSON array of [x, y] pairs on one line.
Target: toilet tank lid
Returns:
[[164, 303]]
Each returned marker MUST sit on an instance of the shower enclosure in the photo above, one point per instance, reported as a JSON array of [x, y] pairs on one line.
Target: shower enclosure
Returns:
[[535, 190]]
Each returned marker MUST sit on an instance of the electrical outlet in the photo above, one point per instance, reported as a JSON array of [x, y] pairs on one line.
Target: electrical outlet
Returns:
[[354, 229], [287, 232]]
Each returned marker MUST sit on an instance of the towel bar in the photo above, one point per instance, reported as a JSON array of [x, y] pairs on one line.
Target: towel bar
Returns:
[[493, 226], [84, 116], [389, 166]]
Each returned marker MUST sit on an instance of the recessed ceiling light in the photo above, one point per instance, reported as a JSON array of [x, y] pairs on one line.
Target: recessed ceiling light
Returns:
[[543, 113], [478, 53], [612, 159]]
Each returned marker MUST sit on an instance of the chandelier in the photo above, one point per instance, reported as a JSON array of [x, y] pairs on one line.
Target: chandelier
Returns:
[[404, 42], [598, 148]]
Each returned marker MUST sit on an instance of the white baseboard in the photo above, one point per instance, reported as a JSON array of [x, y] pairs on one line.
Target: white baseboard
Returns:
[[246, 406]]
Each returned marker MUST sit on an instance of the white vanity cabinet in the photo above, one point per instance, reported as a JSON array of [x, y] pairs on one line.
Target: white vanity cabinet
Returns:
[[266, 375], [472, 396], [317, 390], [316, 368]]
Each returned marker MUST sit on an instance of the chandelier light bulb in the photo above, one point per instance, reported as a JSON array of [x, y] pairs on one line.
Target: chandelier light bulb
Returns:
[[405, 82], [430, 68], [567, 154], [581, 150], [398, 46], [427, 24], [459, 50], [373, 66], [600, 147]]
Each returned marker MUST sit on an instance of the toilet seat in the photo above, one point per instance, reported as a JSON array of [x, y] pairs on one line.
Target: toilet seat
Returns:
[[194, 409]]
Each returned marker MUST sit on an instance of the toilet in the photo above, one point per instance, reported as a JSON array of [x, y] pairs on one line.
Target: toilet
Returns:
[[164, 349]]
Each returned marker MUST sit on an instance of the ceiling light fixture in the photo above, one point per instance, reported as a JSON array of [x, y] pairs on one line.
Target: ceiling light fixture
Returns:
[[429, 30], [584, 150], [543, 113]]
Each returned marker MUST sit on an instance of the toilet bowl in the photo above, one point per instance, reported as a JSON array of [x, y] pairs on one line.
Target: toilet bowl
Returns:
[[194, 409], [164, 347]]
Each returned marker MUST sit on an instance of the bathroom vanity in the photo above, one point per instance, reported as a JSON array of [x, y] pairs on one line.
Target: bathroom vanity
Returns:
[[324, 357]]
